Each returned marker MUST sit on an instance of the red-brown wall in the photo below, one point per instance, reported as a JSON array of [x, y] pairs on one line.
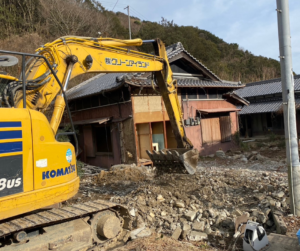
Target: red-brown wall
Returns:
[[190, 107], [194, 132]]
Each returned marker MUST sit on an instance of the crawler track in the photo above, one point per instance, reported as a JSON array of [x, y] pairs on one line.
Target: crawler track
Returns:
[[59, 215]]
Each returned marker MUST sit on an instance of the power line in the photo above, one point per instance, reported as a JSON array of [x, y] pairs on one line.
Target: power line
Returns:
[[109, 2], [115, 5], [139, 13], [136, 14], [121, 9], [108, 5]]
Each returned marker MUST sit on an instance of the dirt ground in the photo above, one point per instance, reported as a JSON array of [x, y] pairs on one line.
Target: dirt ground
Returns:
[[243, 180], [162, 243]]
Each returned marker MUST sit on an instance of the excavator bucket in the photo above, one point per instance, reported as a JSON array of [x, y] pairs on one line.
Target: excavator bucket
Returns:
[[175, 160]]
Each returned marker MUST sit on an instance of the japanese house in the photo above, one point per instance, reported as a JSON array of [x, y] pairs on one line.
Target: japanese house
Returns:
[[120, 116], [265, 113]]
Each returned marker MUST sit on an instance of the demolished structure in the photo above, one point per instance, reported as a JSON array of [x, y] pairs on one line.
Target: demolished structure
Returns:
[[120, 116]]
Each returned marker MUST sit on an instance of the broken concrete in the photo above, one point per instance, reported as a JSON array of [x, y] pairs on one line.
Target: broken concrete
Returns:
[[191, 215], [134, 233], [176, 234], [197, 236], [198, 226], [281, 227], [144, 233], [208, 202]]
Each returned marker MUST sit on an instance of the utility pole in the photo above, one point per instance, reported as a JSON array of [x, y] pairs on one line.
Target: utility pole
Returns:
[[128, 21], [288, 98]]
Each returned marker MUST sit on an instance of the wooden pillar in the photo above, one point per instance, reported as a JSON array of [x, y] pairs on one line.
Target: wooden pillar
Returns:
[[164, 123], [137, 152], [136, 144], [150, 135], [246, 125]]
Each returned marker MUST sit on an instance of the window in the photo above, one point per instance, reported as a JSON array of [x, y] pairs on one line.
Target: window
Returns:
[[95, 101], [72, 106], [107, 98], [213, 93], [202, 94], [86, 103], [115, 97], [103, 139], [183, 93], [79, 104], [104, 100], [126, 94], [221, 92], [269, 120], [192, 93]]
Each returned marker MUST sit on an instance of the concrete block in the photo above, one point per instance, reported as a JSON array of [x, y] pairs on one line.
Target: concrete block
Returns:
[[199, 226], [197, 236], [281, 228], [191, 215], [144, 233], [176, 234]]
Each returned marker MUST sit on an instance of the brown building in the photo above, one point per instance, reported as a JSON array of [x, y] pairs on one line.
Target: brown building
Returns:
[[120, 116]]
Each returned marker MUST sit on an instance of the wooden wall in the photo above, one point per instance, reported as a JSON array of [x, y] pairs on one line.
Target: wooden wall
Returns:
[[148, 109], [190, 107], [87, 141], [207, 137], [117, 111]]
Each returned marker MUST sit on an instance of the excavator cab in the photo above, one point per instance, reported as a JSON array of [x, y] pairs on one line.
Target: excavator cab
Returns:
[[36, 170]]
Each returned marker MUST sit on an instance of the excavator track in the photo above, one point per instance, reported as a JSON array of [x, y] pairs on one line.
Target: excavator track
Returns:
[[55, 216]]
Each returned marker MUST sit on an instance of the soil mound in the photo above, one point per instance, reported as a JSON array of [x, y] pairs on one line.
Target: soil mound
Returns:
[[121, 173]]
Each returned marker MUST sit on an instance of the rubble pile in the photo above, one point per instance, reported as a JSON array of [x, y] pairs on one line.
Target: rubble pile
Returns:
[[195, 206], [88, 170], [124, 172], [203, 206], [254, 160]]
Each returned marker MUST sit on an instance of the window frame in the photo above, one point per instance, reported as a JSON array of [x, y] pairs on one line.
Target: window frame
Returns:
[[108, 128]]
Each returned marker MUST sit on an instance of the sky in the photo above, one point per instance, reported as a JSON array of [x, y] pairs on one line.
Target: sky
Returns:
[[251, 24]]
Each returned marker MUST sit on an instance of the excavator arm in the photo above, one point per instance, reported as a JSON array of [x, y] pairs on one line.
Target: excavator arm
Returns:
[[73, 56]]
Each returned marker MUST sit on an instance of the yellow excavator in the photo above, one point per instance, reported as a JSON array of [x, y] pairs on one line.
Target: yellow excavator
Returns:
[[37, 171]]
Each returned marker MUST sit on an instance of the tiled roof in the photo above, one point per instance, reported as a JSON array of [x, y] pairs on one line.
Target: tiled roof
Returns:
[[233, 96], [205, 83], [106, 82], [263, 107], [175, 49], [97, 84], [186, 82], [267, 87]]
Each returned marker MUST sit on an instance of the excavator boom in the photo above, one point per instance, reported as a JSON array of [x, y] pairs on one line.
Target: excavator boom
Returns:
[[72, 56]]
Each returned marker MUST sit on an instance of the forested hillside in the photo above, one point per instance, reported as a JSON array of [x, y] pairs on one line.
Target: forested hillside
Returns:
[[27, 24]]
